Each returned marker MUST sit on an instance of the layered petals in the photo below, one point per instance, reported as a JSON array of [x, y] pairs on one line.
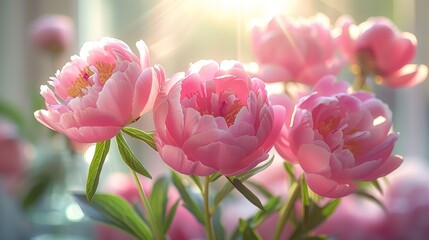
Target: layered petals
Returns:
[[302, 50], [340, 138], [215, 118], [97, 93], [378, 48]]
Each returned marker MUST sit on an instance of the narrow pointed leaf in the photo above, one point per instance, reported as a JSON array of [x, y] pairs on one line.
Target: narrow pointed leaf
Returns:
[[129, 158], [289, 169], [141, 135], [372, 198], [158, 200], [228, 187], [101, 151], [191, 201], [377, 186], [245, 192], [260, 188], [215, 177], [197, 181], [113, 210], [170, 216]]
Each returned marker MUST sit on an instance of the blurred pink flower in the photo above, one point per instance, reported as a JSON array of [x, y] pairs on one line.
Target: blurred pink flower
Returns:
[[379, 48], [215, 119], [407, 201], [13, 164], [99, 92], [52, 32], [355, 218], [302, 50], [340, 138], [124, 186]]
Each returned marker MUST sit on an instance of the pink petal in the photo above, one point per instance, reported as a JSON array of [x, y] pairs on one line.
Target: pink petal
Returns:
[[116, 97], [92, 134], [408, 76], [273, 73], [328, 188], [314, 159], [387, 167], [218, 155], [177, 160], [144, 54]]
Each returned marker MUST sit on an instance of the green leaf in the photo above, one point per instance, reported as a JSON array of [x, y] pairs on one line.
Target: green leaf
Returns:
[[270, 207], [113, 210], [245, 192], [305, 199], [170, 216], [39, 185], [215, 177], [377, 186], [129, 158], [289, 169], [191, 200], [9, 111], [255, 170], [158, 200], [248, 232], [197, 182], [101, 151], [364, 194], [317, 216], [260, 188], [141, 135], [228, 187]]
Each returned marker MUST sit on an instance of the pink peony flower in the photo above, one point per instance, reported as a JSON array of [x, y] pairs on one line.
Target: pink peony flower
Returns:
[[215, 119], [99, 92], [52, 32], [380, 49], [302, 50], [124, 186], [341, 138], [325, 87]]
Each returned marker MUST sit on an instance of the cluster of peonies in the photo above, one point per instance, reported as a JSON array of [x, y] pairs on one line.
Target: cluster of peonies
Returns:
[[219, 118]]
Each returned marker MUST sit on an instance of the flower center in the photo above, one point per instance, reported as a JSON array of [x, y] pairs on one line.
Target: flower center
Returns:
[[82, 82], [328, 125], [231, 113]]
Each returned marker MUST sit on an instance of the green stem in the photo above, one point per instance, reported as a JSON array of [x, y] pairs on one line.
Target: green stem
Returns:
[[146, 205], [286, 210], [207, 214]]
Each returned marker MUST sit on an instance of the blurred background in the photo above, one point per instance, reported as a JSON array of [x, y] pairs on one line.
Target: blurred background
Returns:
[[177, 32]]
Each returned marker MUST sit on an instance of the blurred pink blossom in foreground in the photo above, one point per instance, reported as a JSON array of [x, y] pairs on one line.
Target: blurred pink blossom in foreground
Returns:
[[339, 138], [104, 89], [379, 48], [52, 32], [214, 118], [302, 50]]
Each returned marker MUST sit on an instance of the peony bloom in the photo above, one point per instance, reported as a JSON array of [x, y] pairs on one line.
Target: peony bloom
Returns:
[[215, 119], [342, 138], [302, 50], [378, 48], [99, 92], [325, 87], [52, 33]]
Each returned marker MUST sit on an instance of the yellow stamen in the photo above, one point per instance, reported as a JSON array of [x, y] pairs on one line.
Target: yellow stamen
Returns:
[[105, 70], [232, 113]]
